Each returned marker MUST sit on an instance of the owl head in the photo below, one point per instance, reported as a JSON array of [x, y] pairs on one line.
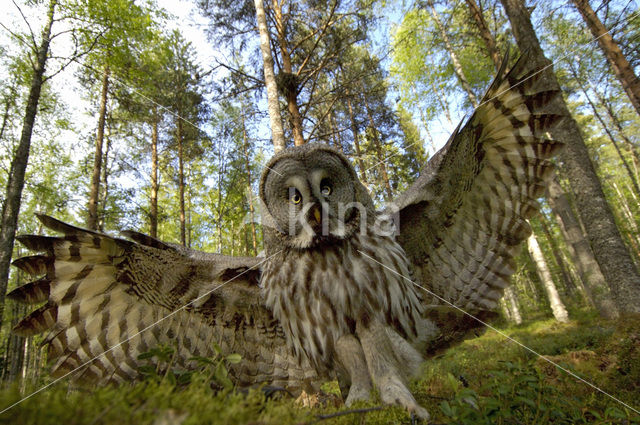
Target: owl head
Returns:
[[311, 195]]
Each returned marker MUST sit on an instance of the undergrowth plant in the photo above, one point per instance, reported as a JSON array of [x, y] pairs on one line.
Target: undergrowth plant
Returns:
[[486, 380]]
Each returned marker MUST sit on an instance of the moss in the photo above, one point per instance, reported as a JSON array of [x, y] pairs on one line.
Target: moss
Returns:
[[484, 380]]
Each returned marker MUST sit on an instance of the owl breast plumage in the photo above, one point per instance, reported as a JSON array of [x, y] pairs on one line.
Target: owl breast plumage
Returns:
[[319, 294]]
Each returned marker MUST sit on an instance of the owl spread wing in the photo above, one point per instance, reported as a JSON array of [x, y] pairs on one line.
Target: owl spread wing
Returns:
[[107, 300], [462, 221]]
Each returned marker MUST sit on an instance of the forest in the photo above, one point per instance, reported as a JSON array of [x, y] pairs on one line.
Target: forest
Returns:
[[160, 116]]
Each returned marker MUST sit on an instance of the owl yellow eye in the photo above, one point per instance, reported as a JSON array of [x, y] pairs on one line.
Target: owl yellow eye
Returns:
[[294, 196], [325, 189]]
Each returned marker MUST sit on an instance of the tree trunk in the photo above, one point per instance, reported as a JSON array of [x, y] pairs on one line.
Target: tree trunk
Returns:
[[487, 37], [581, 252], [442, 99], [557, 307], [9, 104], [153, 215], [15, 352], [183, 236], [616, 123], [432, 143], [629, 218], [247, 164], [356, 141], [275, 117], [512, 302], [609, 249], [15, 179], [105, 184], [92, 220], [188, 220], [457, 67], [335, 133], [505, 310], [288, 79], [624, 161], [620, 65], [566, 276], [378, 147]]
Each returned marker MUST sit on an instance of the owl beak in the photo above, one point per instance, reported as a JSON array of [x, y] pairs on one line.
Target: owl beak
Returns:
[[317, 215], [314, 216]]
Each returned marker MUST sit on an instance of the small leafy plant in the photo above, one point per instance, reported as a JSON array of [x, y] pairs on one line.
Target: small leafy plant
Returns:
[[160, 366]]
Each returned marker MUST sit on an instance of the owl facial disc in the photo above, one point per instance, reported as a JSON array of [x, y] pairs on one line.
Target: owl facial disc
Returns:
[[312, 196]]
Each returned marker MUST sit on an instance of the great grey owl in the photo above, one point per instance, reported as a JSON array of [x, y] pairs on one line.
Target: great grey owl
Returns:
[[342, 291]]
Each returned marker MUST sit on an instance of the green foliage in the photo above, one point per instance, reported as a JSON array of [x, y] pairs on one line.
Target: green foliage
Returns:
[[490, 380], [159, 367], [486, 380]]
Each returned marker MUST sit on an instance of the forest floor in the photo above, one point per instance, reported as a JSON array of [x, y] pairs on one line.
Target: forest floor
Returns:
[[486, 380]]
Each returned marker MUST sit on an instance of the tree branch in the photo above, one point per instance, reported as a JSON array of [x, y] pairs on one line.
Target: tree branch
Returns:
[[19, 38], [33, 37]]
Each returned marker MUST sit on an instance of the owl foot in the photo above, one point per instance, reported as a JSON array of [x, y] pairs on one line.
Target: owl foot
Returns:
[[357, 393], [384, 368], [393, 391], [355, 375]]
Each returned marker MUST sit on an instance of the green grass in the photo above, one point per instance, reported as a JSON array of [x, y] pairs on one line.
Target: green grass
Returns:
[[486, 380]]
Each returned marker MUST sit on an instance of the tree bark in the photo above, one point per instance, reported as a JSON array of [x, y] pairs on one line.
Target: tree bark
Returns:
[[335, 133], [15, 180], [557, 307], [247, 164], [289, 80], [616, 123], [8, 105], [188, 218], [505, 310], [614, 142], [378, 147], [153, 215], [487, 37], [183, 236], [609, 249], [442, 99], [15, 351], [566, 276], [581, 252], [514, 310], [105, 184], [457, 67], [629, 218], [620, 65], [356, 141], [275, 117], [92, 220]]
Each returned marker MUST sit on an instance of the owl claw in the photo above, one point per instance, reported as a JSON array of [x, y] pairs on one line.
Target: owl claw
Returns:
[[357, 393], [393, 391], [383, 359]]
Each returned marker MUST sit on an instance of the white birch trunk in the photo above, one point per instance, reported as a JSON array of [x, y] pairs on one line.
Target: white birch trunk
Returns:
[[510, 298], [275, 119], [557, 307]]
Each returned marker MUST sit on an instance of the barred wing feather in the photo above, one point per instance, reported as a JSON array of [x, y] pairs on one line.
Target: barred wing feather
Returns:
[[462, 221], [107, 300]]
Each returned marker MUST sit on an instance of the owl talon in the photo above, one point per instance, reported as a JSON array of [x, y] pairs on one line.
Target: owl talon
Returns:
[[383, 361], [393, 391], [353, 362], [357, 393]]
